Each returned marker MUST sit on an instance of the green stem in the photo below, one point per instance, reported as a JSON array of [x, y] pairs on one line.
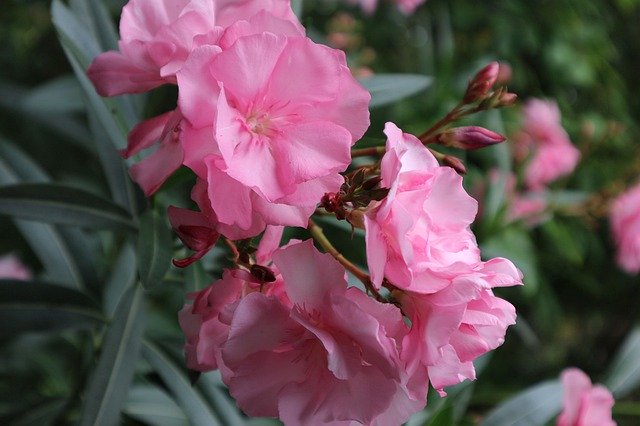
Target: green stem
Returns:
[[318, 235]]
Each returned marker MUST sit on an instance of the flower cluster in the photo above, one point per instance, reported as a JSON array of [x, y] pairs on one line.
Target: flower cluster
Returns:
[[625, 225], [266, 119], [12, 268]]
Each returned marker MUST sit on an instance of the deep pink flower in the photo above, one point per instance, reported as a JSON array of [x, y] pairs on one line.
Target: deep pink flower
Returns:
[[584, 404], [305, 363], [625, 224], [158, 36], [552, 154], [274, 118], [12, 268], [196, 230]]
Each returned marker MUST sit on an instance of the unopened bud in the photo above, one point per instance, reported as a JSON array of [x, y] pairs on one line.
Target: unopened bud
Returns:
[[469, 137], [481, 83], [504, 74], [455, 163], [507, 99], [262, 273]]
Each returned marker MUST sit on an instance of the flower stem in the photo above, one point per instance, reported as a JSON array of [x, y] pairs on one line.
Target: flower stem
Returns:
[[321, 238], [376, 151]]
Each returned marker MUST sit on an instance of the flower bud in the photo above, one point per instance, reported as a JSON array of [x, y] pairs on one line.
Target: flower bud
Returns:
[[469, 137], [455, 163], [481, 83]]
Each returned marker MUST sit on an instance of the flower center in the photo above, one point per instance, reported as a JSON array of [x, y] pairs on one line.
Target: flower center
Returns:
[[259, 123]]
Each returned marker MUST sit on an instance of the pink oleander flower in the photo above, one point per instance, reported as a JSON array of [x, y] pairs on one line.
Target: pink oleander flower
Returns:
[[584, 403], [551, 153], [304, 362], [528, 206], [624, 217], [419, 239], [157, 36], [274, 118], [454, 326], [12, 268]]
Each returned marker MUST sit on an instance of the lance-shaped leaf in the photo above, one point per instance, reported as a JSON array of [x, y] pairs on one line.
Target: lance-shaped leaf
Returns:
[[63, 205], [389, 88], [189, 398], [214, 390], [534, 406], [154, 249], [624, 373], [34, 306], [109, 383], [151, 405]]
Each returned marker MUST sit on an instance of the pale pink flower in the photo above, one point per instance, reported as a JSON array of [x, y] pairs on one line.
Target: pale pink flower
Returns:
[[584, 403], [12, 268], [624, 217], [419, 239], [305, 363], [551, 153], [157, 37], [274, 117], [418, 236], [457, 324]]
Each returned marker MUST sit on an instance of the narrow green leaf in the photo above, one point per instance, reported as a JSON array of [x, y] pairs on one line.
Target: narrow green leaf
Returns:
[[60, 95], [45, 240], [534, 406], [190, 399], [213, 389], [108, 385], [63, 205], [623, 376], [444, 417], [153, 406], [389, 88], [35, 306], [123, 276], [41, 413], [154, 249]]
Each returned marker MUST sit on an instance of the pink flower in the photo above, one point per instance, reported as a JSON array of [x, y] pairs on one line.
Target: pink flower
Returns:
[[405, 6], [12, 268], [196, 230], [158, 36], [305, 363], [419, 239], [274, 117], [625, 225], [584, 404], [552, 154], [457, 324]]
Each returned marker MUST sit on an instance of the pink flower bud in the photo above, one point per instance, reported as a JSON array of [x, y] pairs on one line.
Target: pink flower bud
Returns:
[[470, 137], [507, 99], [482, 82], [455, 163]]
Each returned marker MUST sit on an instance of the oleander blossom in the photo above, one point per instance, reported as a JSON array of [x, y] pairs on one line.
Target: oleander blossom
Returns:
[[288, 349], [624, 218], [271, 121], [406, 6], [551, 153], [12, 268], [419, 239], [157, 37], [584, 404]]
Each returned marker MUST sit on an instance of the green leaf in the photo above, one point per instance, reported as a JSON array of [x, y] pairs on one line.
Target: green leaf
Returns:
[[34, 306], [41, 413], [48, 242], [190, 399], [123, 276], [109, 382], [80, 48], [214, 390], [389, 88], [534, 406], [60, 95], [623, 375], [444, 417], [63, 205], [153, 406], [154, 249]]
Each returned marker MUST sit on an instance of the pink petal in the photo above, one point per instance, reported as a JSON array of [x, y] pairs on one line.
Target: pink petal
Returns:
[[151, 172], [114, 74]]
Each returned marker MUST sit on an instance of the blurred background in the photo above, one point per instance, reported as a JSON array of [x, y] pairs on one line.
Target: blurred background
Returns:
[[577, 307]]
